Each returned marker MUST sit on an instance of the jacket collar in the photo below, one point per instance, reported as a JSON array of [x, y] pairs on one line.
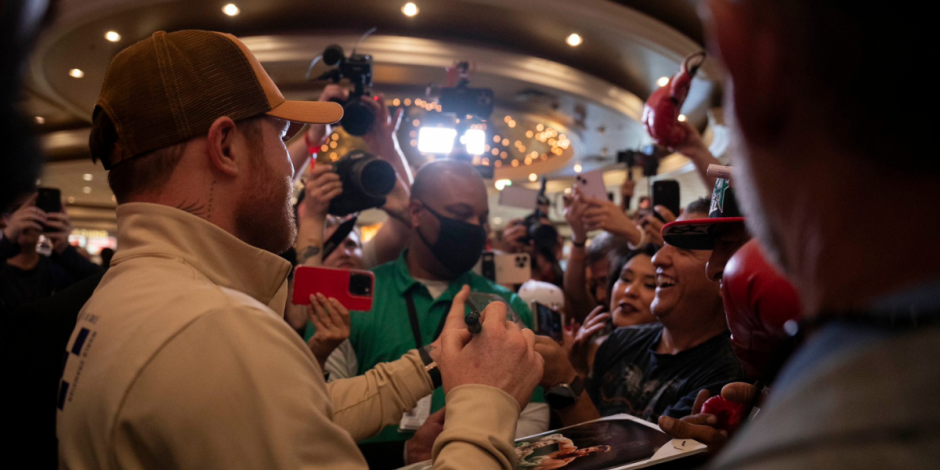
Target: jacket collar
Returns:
[[154, 230]]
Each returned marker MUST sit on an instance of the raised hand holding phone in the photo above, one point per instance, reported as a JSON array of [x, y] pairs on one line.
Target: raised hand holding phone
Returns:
[[331, 321]]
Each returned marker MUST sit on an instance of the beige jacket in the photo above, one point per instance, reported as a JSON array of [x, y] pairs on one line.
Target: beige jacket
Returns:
[[181, 359]]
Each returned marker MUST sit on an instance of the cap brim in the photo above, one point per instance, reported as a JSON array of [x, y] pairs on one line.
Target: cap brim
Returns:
[[308, 112], [695, 234]]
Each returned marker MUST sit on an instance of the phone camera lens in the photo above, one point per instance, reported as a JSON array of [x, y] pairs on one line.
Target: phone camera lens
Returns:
[[360, 284]]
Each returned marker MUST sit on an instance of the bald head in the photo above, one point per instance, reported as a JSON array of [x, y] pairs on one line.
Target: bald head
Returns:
[[441, 178]]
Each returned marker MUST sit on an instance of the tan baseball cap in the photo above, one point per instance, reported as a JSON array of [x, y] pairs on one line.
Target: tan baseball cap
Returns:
[[171, 87]]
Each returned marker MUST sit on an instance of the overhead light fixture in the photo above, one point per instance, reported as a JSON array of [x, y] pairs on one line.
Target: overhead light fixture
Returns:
[[87, 177], [112, 36], [40, 120], [682, 118], [410, 9], [501, 184], [574, 40], [475, 140], [231, 10], [663, 81], [436, 140], [577, 168], [71, 200], [76, 73], [86, 190], [533, 177]]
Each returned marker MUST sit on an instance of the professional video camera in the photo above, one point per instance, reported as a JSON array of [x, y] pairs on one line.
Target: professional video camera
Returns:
[[544, 236], [463, 100], [366, 181], [648, 157], [358, 117]]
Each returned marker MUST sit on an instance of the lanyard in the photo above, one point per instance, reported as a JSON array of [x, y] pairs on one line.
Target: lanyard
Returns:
[[415, 326]]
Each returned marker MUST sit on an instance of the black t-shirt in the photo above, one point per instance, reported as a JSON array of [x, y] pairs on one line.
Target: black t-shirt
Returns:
[[19, 286], [631, 377]]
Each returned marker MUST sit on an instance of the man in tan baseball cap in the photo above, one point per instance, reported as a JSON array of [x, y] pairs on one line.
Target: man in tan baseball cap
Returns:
[[181, 358]]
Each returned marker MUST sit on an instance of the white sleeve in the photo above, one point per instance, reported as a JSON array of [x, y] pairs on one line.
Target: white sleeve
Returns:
[[533, 420], [342, 363]]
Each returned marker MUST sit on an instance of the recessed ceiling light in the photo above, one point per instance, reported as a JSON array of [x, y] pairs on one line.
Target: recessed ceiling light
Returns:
[[533, 177], [40, 120], [231, 10], [71, 200], [663, 81], [112, 36], [87, 177], [682, 118], [410, 9], [86, 190], [76, 73], [574, 40], [577, 168]]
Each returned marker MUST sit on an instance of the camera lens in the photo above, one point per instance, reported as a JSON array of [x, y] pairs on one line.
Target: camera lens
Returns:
[[358, 118], [377, 178], [360, 285]]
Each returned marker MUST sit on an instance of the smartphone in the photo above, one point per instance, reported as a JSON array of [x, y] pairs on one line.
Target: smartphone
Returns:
[[352, 288], [592, 184], [479, 300], [506, 269], [666, 194], [49, 200], [547, 321]]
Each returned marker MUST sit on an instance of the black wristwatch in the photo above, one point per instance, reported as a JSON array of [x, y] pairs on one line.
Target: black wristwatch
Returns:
[[563, 396], [430, 367]]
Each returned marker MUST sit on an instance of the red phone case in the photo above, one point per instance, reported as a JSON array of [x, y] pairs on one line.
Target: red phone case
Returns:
[[309, 280]]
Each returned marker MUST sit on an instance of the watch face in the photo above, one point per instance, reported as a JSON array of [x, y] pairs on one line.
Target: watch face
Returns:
[[560, 396]]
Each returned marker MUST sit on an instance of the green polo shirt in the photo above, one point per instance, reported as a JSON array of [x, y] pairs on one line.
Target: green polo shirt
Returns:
[[384, 333]]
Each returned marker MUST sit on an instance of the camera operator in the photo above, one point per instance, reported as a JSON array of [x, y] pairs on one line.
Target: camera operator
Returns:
[[185, 330]]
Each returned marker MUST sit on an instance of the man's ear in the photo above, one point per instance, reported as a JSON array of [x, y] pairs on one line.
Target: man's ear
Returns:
[[414, 210], [749, 43], [220, 145]]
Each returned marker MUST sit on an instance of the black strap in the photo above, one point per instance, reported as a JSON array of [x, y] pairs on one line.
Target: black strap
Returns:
[[415, 326]]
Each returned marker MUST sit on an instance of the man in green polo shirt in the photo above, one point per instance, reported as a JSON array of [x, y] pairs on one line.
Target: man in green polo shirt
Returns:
[[448, 211]]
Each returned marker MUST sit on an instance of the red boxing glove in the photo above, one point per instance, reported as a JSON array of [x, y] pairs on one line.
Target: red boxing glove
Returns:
[[729, 414], [661, 113], [758, 302]]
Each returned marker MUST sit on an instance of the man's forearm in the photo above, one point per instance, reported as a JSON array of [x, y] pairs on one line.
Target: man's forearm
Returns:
[[577, 299], [582, 411], [702, 158], [310, 242]]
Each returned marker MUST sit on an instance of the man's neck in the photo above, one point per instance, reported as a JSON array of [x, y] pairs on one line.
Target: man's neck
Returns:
[[422, 264], [679, 338], [25, 260]]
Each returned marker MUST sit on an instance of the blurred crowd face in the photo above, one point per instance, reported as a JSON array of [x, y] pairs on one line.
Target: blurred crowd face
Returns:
[[728, 239], [682, 291], [348, 255], [265, 217], [633, 293]]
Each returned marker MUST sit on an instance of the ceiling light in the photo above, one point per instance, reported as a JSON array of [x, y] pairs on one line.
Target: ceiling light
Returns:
[[87, 177], [231, 10], [76, 73], [577, 168], [663, 81], [682, 118], [112, 36], [86, 190], [475, 140], [410, 9], [533, 177], [501, 184], [436, 140], [71, 199], [574, 40], [40, 120]]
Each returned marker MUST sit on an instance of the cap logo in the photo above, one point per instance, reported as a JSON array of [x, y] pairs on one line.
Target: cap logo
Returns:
[[718, 196]]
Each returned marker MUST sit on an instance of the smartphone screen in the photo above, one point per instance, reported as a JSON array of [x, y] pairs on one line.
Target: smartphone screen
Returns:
[[666, 194], [549, 322]]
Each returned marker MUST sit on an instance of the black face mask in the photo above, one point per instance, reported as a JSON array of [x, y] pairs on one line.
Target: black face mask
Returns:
[[459, 244]]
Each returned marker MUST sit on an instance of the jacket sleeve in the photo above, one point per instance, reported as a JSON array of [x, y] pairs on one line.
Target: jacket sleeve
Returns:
[[479, 430], [235, 389], [365, 404]]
